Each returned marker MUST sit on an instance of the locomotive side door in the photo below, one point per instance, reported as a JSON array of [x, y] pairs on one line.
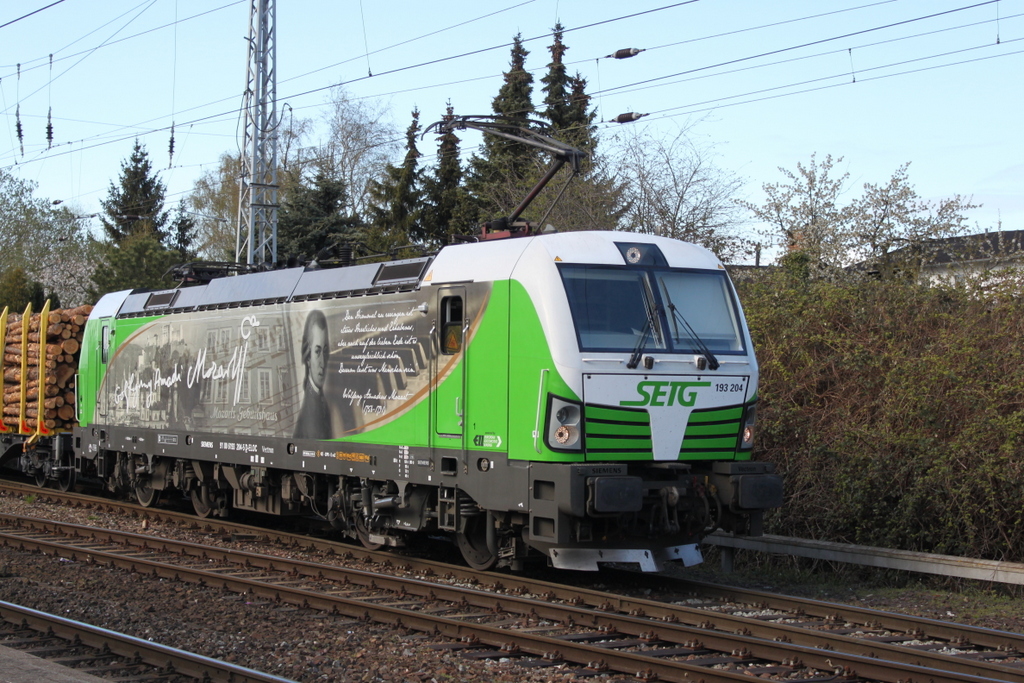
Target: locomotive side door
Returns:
[[448, 383], [98, 370]]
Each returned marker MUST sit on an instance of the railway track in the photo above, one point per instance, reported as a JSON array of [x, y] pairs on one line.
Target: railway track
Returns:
[[718, 637], [100, 652]]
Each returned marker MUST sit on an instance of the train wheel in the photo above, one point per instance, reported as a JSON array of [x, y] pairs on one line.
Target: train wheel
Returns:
[[201, 502], [472, 544], [145, 493], [66, 474], [66, 480], [40, 476], [364, 534]]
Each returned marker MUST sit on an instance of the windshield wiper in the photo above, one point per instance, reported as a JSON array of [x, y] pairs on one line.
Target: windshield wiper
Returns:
[[649, 327], [638, 350], [697, 341]]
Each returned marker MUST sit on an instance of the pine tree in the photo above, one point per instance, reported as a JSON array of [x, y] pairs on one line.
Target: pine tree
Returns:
[[135, 204], [395, 200], [17, 290], [556, 84], [312, 217], [183, 233], [447, 209], [501, 157], [591, 201], [579, 130], [567, 105], [500, 175], [140, 260], [514, 100]]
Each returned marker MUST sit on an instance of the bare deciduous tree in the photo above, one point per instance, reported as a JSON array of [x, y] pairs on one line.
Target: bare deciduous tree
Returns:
[[803, 213], [888, 228], [894, 229], [360, 143], [673, 189], [214, 200], [49, 242]]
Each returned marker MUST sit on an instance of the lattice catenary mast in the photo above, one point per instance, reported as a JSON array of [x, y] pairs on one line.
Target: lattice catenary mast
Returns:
[[257, 200]]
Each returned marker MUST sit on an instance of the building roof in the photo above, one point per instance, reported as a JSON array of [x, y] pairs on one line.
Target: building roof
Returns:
[[986, 246]]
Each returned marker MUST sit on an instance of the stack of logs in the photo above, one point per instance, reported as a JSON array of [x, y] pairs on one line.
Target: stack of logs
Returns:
[[58, 354]]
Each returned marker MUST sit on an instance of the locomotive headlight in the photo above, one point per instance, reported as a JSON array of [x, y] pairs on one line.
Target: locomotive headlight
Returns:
[[747, 437], [563, 424], [566, 435]]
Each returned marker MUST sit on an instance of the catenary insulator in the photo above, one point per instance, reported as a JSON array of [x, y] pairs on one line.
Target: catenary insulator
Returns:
[[629, 117], [625, 53]]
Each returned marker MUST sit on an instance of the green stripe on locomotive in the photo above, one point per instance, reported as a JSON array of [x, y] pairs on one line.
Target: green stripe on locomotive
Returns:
[[625, 434]]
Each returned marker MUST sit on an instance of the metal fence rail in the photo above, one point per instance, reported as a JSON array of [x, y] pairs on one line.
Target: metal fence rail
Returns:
[[925, 563]]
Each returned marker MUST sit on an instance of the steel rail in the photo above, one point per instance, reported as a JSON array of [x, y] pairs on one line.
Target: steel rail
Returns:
[[684, 623], [956, 634], [926, 627], [930, 628], [778, 652], [180, 661], [551, 649]]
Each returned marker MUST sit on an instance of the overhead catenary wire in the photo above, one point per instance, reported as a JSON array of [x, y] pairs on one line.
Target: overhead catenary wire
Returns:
[[120, 40], [408, 67], [721, 102], [806, 44], [774, 24], [140, 130], [174, 87], [139, 125], [49, 110], [862, 46], [366, 43], [33, 12], [86, 54]]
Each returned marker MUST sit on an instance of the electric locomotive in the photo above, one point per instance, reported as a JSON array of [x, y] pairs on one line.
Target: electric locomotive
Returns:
[[579, 397], [583, 397]]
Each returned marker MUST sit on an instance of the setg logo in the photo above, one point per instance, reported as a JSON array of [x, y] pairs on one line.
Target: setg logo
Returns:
[[666, 394]]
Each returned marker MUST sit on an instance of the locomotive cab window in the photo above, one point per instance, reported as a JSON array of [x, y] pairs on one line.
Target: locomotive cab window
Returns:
[[612, 308], [699, 306], [615, 308], [451, 325]]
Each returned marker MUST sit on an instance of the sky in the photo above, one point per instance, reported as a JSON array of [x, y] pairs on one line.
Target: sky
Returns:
[[759, 85]]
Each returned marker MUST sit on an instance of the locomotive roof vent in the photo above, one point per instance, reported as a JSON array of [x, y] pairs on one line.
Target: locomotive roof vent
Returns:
[[162, 299], [409, 270]]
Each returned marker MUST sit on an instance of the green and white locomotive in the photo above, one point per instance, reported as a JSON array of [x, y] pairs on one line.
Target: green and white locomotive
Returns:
[[587, 397]]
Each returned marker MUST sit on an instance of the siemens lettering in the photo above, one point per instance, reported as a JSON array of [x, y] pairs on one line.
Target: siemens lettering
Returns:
[[666, 394]]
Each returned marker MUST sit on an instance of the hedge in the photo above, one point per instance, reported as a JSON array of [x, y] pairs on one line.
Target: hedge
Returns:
[[895, 412]]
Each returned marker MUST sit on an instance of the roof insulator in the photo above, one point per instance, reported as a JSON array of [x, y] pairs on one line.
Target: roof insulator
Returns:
[[19, 129], [170, 148], [628, 118], [625, 53]]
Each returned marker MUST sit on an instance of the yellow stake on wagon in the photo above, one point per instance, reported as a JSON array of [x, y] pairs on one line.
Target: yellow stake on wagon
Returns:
[[41, 428], [26, 322], [3, 330]]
